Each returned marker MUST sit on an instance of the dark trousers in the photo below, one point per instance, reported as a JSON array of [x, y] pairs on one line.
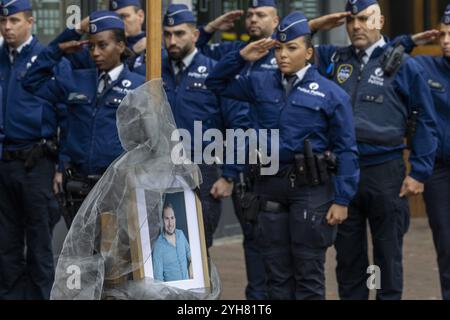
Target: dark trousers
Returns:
[[437, 199], [256, 275], [28, 213], [294, 240], [377, 202], [211, 207]]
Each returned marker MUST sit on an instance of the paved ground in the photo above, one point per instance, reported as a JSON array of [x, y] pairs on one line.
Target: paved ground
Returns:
[[420, 274]]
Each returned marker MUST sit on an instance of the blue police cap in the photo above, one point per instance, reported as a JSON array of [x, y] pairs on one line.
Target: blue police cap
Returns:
[[356, 6], [104, 20], [10, 7], [293, 26], [178, 14], [446, 17], [119, 4], [262, 3]]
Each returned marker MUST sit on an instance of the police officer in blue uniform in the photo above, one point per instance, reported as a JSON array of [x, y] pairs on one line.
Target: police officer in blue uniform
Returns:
[[133, 16], [92, 96], [261, 21], [2, 134], [184, 73], [28, 127], [390, 100], [2, 130], [437, 188], [302, 204]]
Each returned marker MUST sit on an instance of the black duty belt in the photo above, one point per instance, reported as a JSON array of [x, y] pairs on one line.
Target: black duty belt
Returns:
[[15, 155], [22, 155]]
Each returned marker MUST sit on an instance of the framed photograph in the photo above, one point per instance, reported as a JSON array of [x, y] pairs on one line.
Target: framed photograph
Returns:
[[174, 252]]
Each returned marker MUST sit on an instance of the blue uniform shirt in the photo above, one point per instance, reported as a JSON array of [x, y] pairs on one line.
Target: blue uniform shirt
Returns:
[[411, 90], [171, 263], [191, 101], [26, 118], [316, 109], [437, 75], [92, 142]]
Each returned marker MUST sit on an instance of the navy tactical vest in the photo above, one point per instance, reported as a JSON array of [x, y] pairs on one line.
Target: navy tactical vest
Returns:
[[380, 114]]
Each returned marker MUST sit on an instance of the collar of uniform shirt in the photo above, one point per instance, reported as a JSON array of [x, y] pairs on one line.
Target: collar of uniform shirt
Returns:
[[380, 43], [300, 75], [20, 48], [187, 61], [115, 73]]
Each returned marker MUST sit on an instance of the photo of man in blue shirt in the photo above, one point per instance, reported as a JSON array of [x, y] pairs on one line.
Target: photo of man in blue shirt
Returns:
[[171, 252]]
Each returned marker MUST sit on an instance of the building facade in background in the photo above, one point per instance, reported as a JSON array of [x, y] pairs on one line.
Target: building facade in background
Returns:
[[402, 16]]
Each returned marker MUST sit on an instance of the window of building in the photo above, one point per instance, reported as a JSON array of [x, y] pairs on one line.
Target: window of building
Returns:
[[411, 16]]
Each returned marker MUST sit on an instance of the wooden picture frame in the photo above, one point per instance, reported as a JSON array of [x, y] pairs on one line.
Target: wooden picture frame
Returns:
[[193, 231]]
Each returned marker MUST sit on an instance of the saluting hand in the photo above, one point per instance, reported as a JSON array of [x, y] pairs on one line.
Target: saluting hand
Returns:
[[411, 187], [224, 22], [425, 37], [258, 49], [337, 214], [73, 46], [329, 21], [140, 46], [84, 26]]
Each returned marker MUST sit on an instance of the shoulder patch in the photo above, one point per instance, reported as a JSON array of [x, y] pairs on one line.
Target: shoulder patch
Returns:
[[344, 72]]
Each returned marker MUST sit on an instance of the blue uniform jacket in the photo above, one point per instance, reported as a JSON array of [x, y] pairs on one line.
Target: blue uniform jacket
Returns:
[[191, 101], [2, 134], [316, 109], [92, 142], [138, 61], [437, 75], [219, 50], [413, 89], [25, 118]]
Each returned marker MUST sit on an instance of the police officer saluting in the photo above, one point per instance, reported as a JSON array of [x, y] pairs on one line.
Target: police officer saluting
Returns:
[[28, 126], [92, 96], [387, 89], [303, 203], [133, 16], [261, 21], [437, 188], [184, 74]]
